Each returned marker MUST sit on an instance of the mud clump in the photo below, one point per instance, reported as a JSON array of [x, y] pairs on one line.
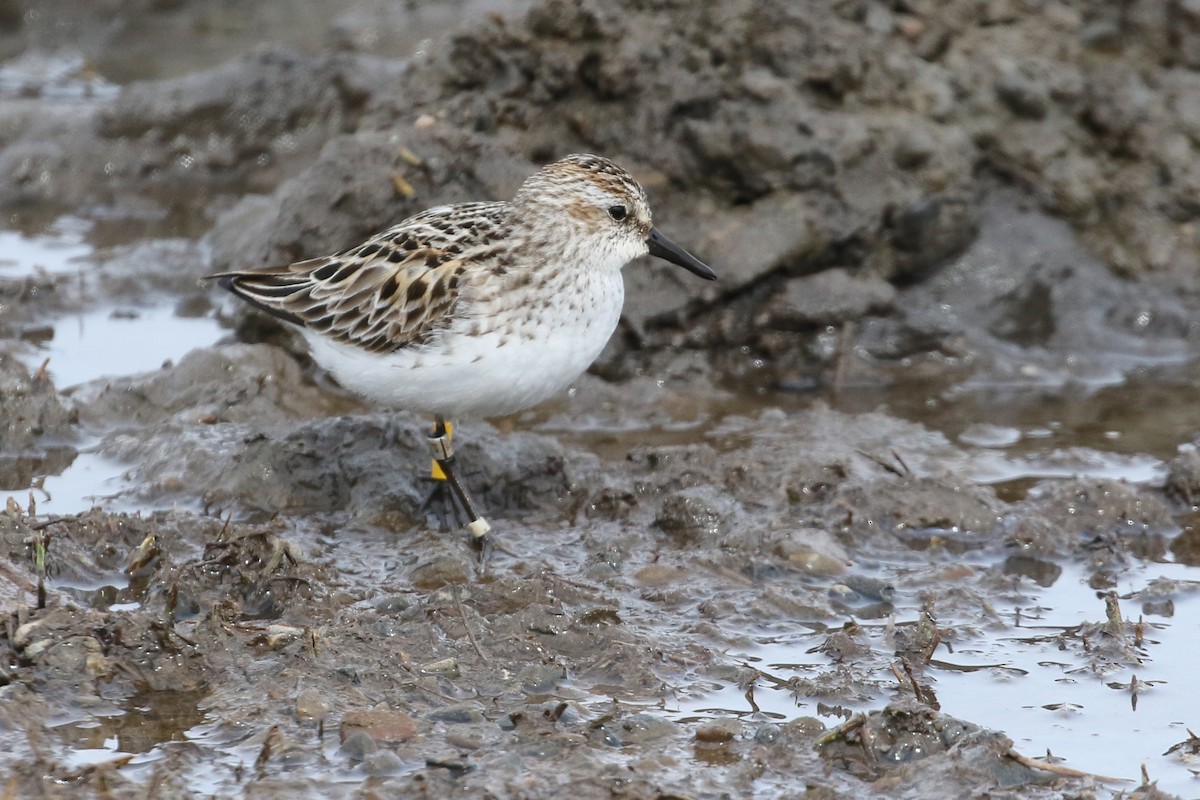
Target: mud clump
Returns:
[[37, 431], [32, 410]]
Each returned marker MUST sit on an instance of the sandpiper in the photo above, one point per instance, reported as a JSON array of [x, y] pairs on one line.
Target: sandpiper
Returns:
[[474, 309]]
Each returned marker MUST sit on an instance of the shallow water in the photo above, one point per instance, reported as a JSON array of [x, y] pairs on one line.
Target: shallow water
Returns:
[[58, 249], [110, 342], [1020, 680], [1089, 720], [105, 339]]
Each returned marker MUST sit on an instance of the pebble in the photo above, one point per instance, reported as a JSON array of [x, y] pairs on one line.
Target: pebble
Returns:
[[310, 704], [687, 518], [461, 712], [393, 605], [440, 571], [358, 746], [465, 740], [446, 666], [659, 575], [383, 762], [381, 724], [718, 731], [540, 678], [768, 733], [280, 636], [638, 728]]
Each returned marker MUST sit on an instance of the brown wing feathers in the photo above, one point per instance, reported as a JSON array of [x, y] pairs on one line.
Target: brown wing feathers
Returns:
[[380, 307], [394, 291]]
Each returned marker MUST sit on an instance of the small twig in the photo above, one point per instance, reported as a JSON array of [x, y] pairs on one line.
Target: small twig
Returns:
[[470, 635], [223, 534], [46, 523], [1059, 769], [40, 376]]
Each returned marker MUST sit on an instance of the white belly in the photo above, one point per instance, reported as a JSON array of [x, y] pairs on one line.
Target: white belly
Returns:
[[499, 372]]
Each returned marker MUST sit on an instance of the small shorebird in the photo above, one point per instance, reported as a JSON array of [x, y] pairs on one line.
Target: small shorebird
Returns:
[[475, 309]]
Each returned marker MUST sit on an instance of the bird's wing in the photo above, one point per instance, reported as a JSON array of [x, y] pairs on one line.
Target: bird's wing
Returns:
[[395, 290]]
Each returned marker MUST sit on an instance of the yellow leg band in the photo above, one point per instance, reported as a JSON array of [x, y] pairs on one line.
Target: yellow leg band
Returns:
[[435, 471]]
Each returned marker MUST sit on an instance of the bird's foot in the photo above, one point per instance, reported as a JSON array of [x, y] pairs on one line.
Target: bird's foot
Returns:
[[441, 508]]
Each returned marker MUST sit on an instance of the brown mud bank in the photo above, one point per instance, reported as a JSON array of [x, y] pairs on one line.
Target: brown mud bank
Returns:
[[905, 499]]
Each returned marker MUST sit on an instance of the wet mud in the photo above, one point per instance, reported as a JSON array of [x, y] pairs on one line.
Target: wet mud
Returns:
[[903, 505]]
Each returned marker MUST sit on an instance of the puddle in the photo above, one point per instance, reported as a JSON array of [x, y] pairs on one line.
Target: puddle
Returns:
[[89, 480], [1148, 413], [62, 77], [1091, 721], [136, 726], [111, 342], [104, 340], [61, 249], [1073, 463], [1019, 679]]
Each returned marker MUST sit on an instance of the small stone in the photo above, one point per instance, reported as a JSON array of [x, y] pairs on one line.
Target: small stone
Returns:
[[718, 731], [753, 240], [1101, 34], [382, 724], [280, 636], [35, 649], [97, 666], [358, 745], [1023, 97], [1159, 608], [440, 571], [452, 761], [807, 557], [383, 762], [687, 517], [768, 733], [914, 150], [27, 632], [658, 575], [446, 666], [598, 617], [393, 605], [829, 297], [807, 727], [311, 705], [540, 678], [461, 712], [638, 728], [910, 27], [465, 740], [869, 587]]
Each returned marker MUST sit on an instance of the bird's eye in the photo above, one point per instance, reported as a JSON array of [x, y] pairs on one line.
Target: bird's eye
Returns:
[[617, 212]]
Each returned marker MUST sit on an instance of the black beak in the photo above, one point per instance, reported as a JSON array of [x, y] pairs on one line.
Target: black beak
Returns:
[[662, 247]]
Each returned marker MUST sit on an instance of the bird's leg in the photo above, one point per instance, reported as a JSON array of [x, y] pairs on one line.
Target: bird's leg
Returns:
[[443, 469], [441, 497], [440, 500]]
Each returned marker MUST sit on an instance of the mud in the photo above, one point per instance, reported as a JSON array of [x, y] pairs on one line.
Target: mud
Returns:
[[949, 366]]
